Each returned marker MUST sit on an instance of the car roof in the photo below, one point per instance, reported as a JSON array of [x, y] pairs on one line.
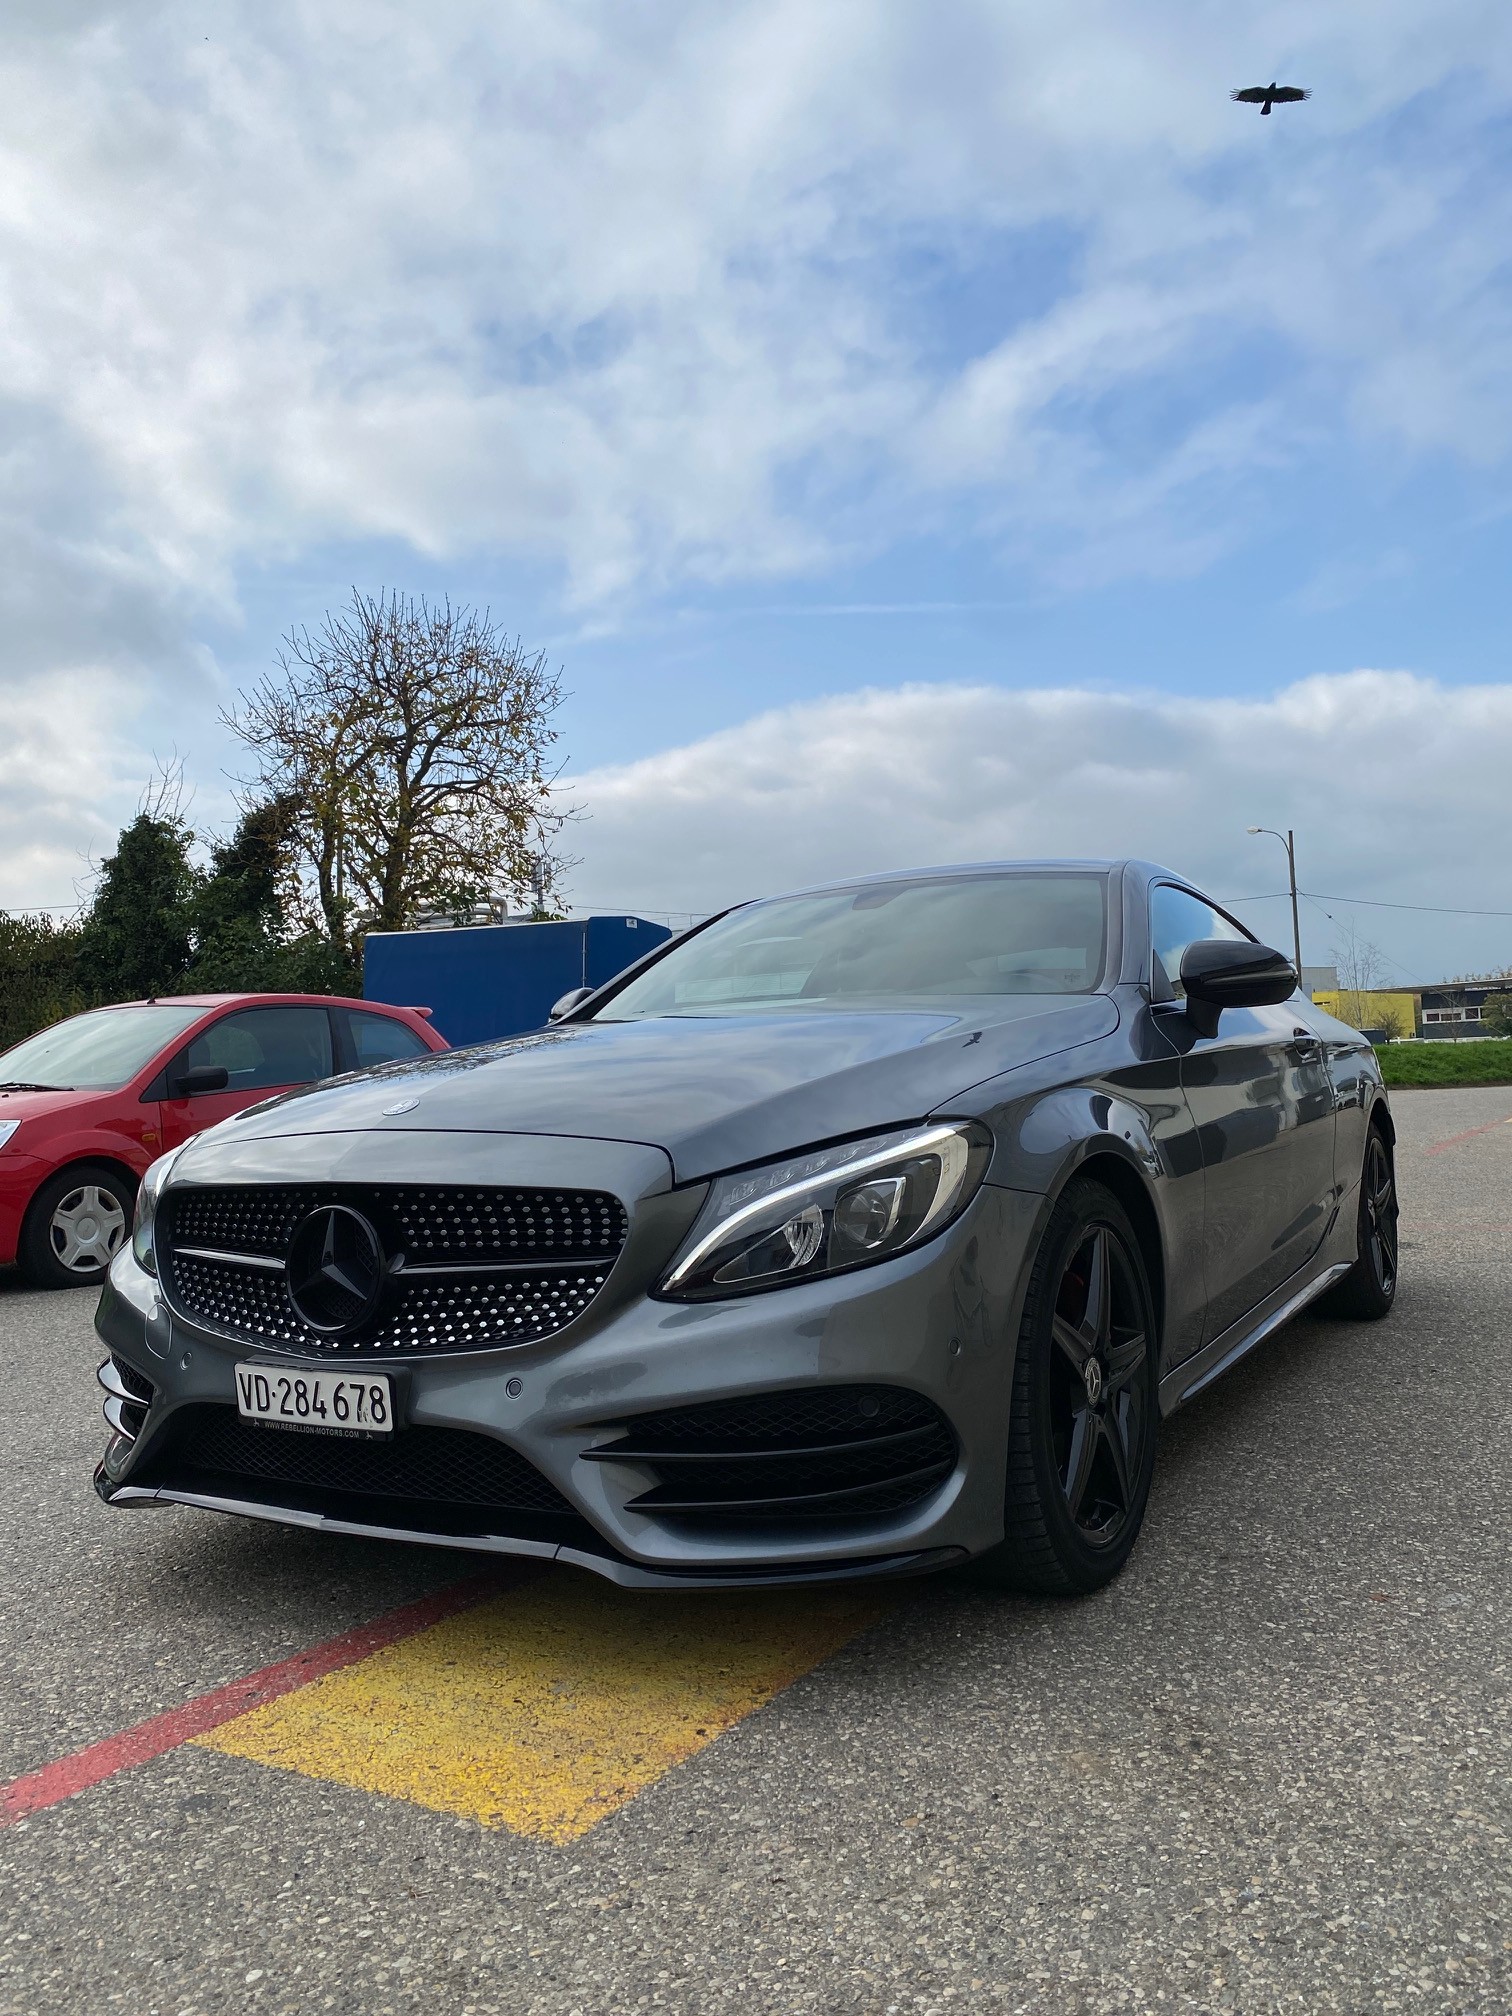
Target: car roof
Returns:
[[263, 1001], [1047, 864]]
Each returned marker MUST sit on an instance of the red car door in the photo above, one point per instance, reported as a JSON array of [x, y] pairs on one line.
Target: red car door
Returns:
[[247, 1055]]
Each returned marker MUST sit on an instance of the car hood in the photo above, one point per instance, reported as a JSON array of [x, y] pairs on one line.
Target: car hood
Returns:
[[715, 1092], [39, 1105]]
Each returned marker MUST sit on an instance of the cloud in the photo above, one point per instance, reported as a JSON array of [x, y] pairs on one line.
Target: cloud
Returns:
[[627, 290], [1396, 787], [69, 778], [91, 636], [712, 292]]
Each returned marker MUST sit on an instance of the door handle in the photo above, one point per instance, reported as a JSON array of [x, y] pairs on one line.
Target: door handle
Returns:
[[1305, 1043]]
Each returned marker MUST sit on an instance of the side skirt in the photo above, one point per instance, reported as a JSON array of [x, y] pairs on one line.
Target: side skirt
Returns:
[[1224, 1352]]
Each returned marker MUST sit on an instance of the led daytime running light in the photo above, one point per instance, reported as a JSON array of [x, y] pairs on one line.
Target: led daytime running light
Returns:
[[955, 1149]]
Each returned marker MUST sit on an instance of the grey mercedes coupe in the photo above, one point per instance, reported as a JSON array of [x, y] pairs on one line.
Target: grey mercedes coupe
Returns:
[[858, 1232]]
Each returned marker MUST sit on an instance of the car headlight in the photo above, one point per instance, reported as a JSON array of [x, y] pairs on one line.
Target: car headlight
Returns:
[[148, 1193], [7, 1128], [829, 1211]]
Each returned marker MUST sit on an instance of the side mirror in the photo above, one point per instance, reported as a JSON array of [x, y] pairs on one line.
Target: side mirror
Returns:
[[1219, 973], [573, 998], [203, 1078]]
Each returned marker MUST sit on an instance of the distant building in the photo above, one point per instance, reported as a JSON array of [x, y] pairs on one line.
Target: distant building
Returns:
[[1448, 1010], [1455, 1009], [1379, 1013]]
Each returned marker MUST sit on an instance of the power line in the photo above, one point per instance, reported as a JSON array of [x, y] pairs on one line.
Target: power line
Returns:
[[1395, 964], [1368, 903], [1374, 903]]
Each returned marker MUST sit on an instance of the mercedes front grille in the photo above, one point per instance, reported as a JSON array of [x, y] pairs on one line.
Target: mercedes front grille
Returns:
[[463, 1269]]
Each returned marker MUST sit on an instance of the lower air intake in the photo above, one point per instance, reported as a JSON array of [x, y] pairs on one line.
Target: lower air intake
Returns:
[[831, 1453], [128, 1396], [422, 1478]]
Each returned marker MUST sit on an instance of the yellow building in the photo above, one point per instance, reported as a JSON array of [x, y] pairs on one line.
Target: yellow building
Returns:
[[1372, 1008]]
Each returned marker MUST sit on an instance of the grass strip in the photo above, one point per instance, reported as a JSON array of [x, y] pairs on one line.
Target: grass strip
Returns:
[[1421, 1066]]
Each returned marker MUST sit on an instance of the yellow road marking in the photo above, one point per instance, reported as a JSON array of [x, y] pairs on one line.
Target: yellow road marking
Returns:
[[548, 1708]]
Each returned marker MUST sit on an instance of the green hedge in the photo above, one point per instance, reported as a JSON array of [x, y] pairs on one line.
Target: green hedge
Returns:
[[1410, 1065], [40, 977]]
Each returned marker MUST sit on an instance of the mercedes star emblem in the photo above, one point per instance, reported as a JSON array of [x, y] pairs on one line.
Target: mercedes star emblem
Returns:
[[400, 1106], [335, 1269]]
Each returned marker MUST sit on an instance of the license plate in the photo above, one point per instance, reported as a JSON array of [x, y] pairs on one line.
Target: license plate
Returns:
[[320, 1403]]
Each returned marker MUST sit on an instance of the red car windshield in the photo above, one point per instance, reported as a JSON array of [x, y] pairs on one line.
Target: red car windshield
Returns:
[[96, 1052]]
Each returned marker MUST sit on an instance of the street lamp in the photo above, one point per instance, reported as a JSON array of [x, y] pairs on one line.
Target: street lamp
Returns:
[[1291, 869]]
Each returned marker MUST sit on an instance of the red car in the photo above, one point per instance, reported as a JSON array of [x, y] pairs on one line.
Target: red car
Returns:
[[87, 1104]]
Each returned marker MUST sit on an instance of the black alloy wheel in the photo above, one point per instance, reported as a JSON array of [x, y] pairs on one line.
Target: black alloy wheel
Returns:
[[1098, 1423], [1369, 1288], [1085, 1407]]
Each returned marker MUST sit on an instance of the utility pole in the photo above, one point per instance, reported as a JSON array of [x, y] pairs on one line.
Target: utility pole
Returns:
[[1288, 841], [1291, 869]]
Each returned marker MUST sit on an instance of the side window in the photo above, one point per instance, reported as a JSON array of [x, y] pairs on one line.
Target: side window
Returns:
[[266, 1047], [1179, 919], [379, 1039]]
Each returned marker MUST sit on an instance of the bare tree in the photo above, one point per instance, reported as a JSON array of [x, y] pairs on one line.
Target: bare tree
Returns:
[[166, 796], [1361, 967], [414, 741]]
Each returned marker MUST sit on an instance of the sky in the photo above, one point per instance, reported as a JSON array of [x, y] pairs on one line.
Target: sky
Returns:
[[919, 432]]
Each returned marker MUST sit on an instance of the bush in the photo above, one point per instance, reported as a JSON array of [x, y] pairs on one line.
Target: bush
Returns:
[[135, 942], [40, 980], [249, 962]]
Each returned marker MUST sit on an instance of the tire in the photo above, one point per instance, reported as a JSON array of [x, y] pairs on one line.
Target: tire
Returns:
[[76, 1224], [1368, 1290], [1081, 1444]]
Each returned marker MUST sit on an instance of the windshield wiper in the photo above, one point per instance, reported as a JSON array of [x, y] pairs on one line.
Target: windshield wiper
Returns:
[[23, 1085]]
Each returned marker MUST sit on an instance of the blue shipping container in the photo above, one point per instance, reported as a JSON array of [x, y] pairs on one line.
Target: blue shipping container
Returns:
[[499, 979]]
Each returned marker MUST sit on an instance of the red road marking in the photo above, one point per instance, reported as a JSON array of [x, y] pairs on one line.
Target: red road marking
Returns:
[[1468, 1135], [99, 1761]]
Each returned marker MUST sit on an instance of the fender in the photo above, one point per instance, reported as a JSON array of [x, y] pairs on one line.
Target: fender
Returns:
[[97, 1144], [1134, 1119], [28, 1173], [1379, 1108]]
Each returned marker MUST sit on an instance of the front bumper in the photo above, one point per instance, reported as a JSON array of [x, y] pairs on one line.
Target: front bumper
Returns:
[[940, 1322]]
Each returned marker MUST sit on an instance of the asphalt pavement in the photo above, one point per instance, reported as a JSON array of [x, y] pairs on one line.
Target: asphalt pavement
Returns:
[[1266, 1771]]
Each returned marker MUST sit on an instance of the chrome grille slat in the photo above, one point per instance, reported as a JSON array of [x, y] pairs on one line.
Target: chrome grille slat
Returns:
[[472, 1269], [448, 1270], [263, 1260]]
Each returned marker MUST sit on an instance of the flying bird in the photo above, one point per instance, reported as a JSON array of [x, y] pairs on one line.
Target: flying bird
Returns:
[[1266, 95]]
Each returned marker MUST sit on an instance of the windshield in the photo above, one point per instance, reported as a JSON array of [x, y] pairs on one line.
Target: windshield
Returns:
[[97, 1052], [885, 941]]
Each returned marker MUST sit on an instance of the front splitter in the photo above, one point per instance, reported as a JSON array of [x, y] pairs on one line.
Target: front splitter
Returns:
[[614, 1568]]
